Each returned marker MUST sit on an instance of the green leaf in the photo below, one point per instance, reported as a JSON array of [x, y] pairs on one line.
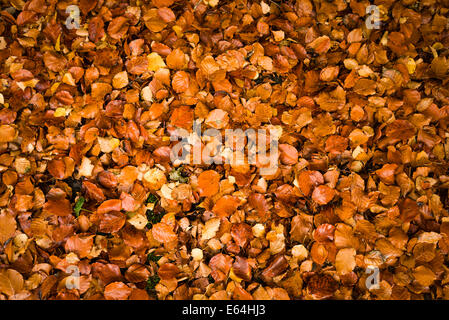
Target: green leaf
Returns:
[[78, 206], [152, 282], [153, 218], [152, 198], [152, 257]]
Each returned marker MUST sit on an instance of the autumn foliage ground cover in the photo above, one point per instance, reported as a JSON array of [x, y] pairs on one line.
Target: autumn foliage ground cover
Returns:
[[92, 207]]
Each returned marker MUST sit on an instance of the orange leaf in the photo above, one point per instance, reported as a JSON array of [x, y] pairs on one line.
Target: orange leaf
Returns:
[[289, 154], [112, 221], [323, 194], [226, 206], [8, 226], [241, 233], [93, 192], [307, 180], [208, 183], [110, 205], [60, 207], [80, 245], [168, 271], [182, 117], [180, 81], [117, 291], [162, 232]]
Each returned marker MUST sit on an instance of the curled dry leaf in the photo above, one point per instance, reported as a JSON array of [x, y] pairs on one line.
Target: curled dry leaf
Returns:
[[275, 268]]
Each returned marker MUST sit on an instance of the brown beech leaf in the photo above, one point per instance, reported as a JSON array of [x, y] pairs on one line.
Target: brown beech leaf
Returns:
[[117, 291], [110, 205], [54, 61], [137, 273], [182, 117], [164, 233], [93, 192], [319, 253], [87, 5], [166, 14], [118, 27], [8, 133], [301, 227], [112, 221], [217, 119], [11, 282], [26, 17], [226, 206], [409, 210], [241, 233], [221, 262], [308, 180], [60, 207], [177, 58], [323, 194], [8, 226], [208, 183], [424, 275], [320, 44], [242, 269], [259, 202], [137, 65], [180, 81], [289, 154], [107, 179], [400, 129], [321, 286], [56, 168], [277, 266], [80, 245], [345, 260], [332, 101], [168, 271], [108, 273], [324, 232], [336, 144], [387, 173]]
